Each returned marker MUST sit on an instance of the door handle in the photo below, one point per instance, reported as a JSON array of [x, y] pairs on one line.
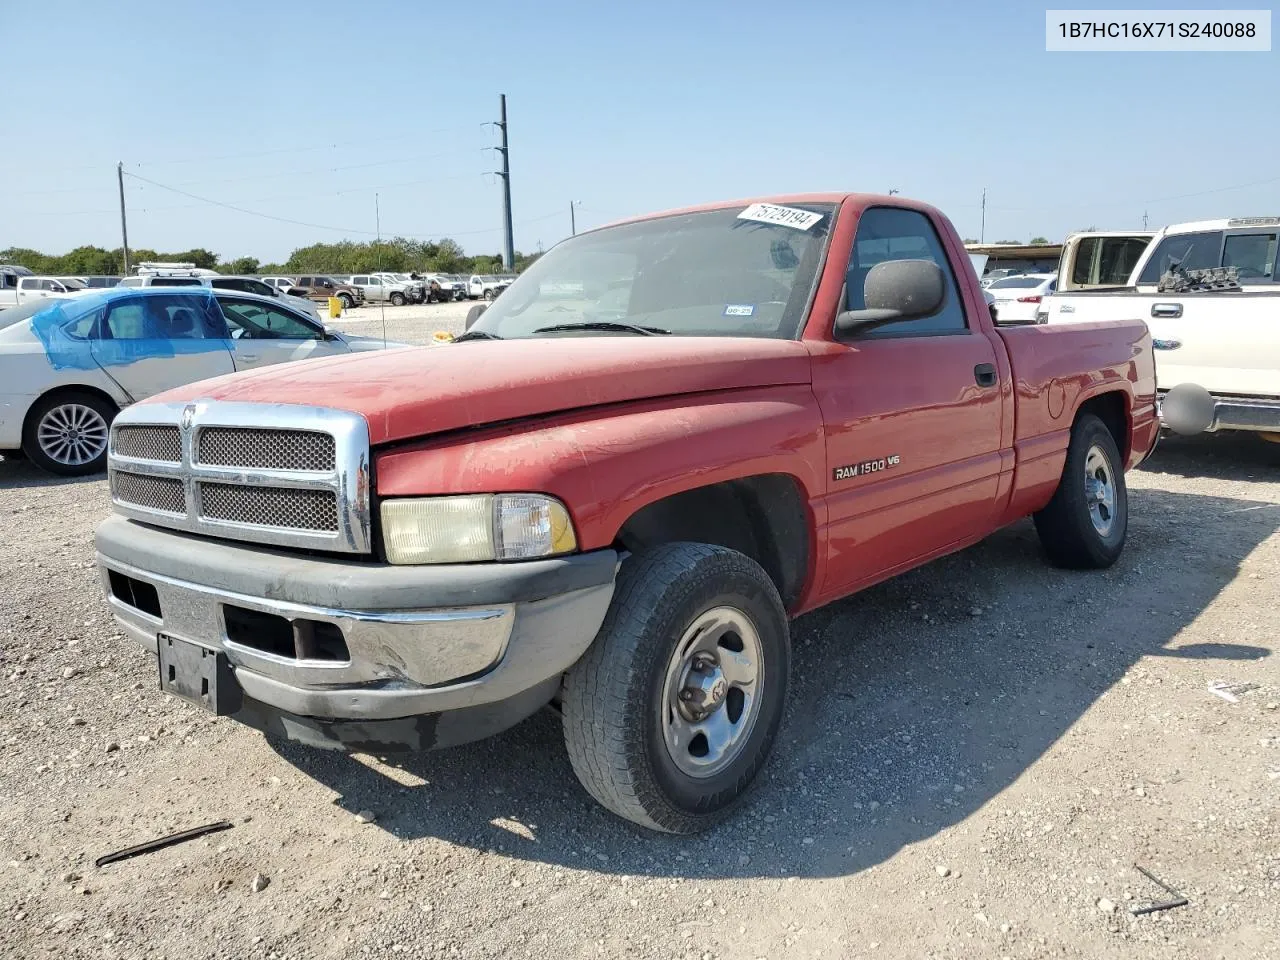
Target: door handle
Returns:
[[1166, 309], [985, 374], [248, 356], [1166, 344]]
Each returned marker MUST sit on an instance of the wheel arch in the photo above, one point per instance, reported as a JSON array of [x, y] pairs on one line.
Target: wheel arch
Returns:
[[1114, 408], [65, 389], [764, 516]]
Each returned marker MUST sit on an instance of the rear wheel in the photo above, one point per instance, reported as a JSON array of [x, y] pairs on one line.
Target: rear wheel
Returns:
[[1084, 525], [66, 433], [397, 299], [675, 707]]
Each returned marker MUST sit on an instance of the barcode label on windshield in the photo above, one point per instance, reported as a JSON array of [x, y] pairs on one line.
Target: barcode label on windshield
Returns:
[[780, 216]]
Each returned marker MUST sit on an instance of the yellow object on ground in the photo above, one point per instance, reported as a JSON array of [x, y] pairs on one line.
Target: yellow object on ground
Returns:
[[442, 336], [335, 307]]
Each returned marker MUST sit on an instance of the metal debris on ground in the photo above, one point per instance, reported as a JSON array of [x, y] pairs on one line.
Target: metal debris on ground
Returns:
[[162, 842], [1178, 899], [1230, 692]]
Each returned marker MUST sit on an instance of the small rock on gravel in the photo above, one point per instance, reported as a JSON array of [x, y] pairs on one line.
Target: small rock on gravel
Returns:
[[366, 816], [112, 747], [260, 882], [942, 871], [1107, 906], [69, 672]]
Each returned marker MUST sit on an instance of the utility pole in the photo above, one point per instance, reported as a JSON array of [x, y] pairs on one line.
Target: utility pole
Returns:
[[509, 241], [124, 229], [1144, 219], [573, 225], [982, 233]]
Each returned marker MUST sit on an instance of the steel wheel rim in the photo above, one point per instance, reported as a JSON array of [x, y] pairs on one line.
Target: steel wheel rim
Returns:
[[72, 434], [1100, 490], [711, 695]]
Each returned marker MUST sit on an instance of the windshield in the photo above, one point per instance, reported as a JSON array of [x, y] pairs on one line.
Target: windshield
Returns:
[[714, 273]]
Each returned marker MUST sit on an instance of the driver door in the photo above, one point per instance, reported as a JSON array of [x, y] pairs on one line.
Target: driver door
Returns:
[[263, 334]]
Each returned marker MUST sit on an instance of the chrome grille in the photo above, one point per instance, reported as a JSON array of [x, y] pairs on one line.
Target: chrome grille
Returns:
[[150, 493], [283, 474], [266, 449], [270, 506], [149, 443]]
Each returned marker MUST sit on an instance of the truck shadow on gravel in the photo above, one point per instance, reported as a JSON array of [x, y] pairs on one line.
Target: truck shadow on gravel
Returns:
[[1230, 455], [912, 706], [19, 474]]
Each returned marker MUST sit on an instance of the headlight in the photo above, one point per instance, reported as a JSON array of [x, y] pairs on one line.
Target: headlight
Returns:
[[508, 526]]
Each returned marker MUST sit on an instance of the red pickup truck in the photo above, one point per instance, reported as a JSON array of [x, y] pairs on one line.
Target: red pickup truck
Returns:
[[666, 439]]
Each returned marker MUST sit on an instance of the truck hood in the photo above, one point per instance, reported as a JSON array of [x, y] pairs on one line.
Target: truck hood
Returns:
[[405, 394]]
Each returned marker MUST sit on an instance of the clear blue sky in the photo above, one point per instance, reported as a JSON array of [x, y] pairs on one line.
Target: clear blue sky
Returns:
[[304, 110]]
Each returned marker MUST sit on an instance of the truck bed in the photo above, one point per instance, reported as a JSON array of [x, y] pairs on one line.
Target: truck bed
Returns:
[[1227, 341]]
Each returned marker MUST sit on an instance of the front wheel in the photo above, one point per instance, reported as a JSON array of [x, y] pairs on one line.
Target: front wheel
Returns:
[[674, 709], [397, 299], [347, 302], [67, 433], [1085, 524]]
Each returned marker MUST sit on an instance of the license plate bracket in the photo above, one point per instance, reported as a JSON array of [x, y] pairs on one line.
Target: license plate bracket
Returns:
[[198, 674]]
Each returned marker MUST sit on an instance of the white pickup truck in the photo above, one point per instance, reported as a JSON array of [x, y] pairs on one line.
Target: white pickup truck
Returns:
[[1210, 293], [18, 288]]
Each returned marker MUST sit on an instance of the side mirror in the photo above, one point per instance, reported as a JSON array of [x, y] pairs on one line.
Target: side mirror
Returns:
[[895, 290]]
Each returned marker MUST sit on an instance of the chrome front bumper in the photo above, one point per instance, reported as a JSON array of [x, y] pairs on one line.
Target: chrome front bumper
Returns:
[[413, 640], [1228, 413]]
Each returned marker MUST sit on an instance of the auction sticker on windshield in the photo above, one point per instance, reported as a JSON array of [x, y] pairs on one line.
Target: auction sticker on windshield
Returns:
[[780, 216]]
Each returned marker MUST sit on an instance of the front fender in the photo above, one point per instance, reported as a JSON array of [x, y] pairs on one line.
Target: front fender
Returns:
[[606, 463]]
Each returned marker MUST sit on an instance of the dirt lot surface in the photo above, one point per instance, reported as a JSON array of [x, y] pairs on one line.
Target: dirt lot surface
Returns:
[[974, 757], [408, 324]]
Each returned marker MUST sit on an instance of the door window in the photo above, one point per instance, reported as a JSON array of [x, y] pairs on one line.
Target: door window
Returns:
[[1252, 254], [360, 281], [887, 233], [159, 318], [1189, 251], [250, 320]]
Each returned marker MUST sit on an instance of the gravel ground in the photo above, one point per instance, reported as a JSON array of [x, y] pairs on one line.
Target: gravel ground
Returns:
[[407, 324], [974, 757]]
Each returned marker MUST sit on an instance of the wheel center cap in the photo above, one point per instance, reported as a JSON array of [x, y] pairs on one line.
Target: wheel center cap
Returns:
[[704, 690]]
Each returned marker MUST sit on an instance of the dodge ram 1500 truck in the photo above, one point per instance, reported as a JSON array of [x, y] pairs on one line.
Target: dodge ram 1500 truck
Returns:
[[667, 438]]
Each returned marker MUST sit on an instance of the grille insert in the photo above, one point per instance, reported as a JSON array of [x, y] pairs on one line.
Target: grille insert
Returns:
[[149, 443], [150, 493], [294, 509], [266, 449]]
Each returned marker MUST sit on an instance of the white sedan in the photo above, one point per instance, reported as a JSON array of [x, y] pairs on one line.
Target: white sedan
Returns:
[[1016, 299], [68, 365]]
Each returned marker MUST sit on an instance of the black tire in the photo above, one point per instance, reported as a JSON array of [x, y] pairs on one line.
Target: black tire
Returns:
[[1066, 526], [489, 294], [347, 302], [613, 700], [397, 299], [40, 419]]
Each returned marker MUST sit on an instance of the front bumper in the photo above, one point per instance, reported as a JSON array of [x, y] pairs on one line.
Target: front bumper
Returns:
[[1208, 413], [332, 644]]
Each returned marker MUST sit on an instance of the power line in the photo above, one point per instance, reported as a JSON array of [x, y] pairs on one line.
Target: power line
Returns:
[[322, 226]]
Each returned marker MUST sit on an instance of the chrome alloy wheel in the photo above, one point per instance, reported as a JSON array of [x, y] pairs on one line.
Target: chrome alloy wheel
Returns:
[[1100, 490], [72, 434], [712, 693]]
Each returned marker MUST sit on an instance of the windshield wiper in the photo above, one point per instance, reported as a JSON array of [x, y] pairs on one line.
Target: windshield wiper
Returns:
[[477, 335], [608, 325]]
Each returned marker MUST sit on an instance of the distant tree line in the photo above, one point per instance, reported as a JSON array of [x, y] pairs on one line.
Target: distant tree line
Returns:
[[399, 255]]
